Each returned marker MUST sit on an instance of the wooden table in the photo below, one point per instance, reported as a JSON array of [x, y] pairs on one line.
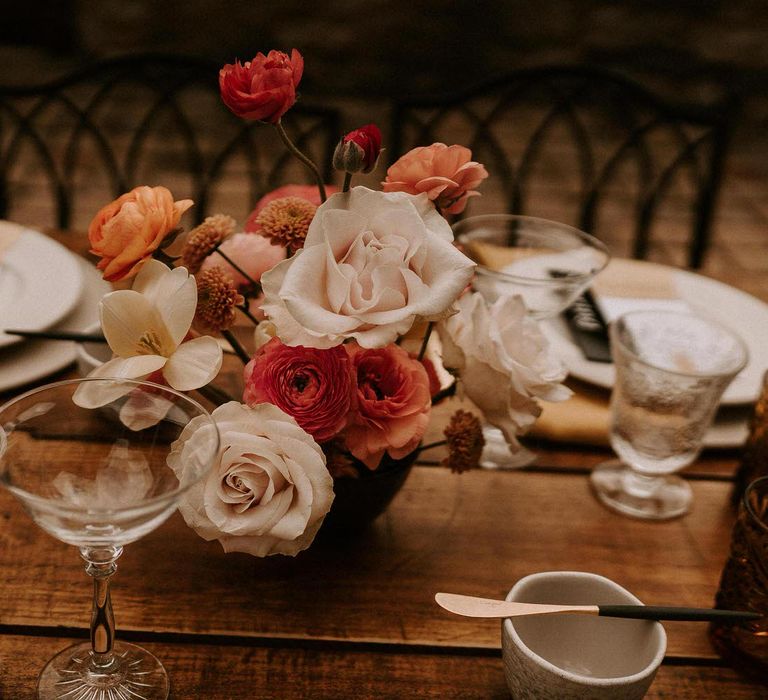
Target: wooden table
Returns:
[[355, 617]]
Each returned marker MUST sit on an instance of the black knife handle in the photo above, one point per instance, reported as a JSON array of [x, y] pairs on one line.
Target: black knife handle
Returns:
[[651, 612]]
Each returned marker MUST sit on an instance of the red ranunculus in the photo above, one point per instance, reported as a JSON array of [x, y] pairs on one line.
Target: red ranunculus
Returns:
[[315, 387], [263, 89], [393, 403], [359, 150]]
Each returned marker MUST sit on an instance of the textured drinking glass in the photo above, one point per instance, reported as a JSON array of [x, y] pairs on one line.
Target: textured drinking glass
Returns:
[[547, 263], [671, 370], [98, 478], [744, 586]]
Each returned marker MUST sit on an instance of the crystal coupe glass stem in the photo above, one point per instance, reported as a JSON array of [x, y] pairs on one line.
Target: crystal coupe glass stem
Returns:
[[88, 460], [101, 565]]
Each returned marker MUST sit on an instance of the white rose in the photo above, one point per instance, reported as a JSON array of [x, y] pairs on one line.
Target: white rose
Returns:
[[269, 490], [504, 361], [372, 263]]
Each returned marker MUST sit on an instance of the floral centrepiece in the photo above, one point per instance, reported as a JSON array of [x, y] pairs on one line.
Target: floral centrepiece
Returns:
[[345, 288]]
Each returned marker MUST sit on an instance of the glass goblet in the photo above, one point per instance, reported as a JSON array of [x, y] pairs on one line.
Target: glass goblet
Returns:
[[549, 264], [671, 370], [87, 458]]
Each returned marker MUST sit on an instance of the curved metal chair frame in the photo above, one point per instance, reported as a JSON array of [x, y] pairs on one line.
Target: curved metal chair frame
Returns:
[[98, 123], [630, 121]]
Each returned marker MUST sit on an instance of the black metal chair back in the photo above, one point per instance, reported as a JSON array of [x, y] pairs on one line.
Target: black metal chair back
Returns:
[[70, 146], [585, 146]]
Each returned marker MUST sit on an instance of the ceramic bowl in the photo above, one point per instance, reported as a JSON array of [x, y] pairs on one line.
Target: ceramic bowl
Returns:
[[578, 656]]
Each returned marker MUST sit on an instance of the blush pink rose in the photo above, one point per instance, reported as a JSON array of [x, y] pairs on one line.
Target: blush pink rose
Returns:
[[315, 387], [263, 89], [393, 403], [254, 254], [126, 232], [446, 173], [308, 192]]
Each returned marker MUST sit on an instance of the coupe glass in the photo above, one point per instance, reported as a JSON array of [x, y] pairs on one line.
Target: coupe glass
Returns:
[[671, 370], [548, 263], [98, 478]]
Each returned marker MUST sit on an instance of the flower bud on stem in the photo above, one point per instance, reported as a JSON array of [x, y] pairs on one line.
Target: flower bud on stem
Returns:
[[296, 152]]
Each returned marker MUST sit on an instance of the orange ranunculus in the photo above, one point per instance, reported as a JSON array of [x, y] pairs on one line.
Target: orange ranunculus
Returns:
[[263, 89], [126, 232], [446, 173]]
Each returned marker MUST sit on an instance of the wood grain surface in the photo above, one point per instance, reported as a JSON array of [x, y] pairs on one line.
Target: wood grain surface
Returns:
[[355, 616], [200, 671], [474, 533]]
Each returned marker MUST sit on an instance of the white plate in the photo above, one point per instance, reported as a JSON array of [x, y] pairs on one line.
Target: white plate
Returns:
[[36, 359], [40, 283], [730, 428], [737, 310]]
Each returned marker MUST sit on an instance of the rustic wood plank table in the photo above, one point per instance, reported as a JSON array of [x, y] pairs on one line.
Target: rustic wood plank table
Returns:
[[355, 617]]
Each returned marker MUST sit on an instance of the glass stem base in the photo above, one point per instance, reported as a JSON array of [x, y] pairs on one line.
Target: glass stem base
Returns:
[[133, 674], [647, 497], [497, 453]]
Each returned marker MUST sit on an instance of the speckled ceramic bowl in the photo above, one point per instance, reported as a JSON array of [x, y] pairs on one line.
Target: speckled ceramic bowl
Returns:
[[571, 657]]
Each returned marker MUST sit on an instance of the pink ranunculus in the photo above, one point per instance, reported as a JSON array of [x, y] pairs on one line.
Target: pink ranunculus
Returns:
[[126, 232], [393, 403], [308, 192], [254, 254], [359, 150], [446, 173], [315, 387], [263, 89]]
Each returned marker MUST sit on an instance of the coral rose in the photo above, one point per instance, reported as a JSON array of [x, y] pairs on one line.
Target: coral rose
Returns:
[[308, 192], [372, 264], [315, 387], [263, 89], [268, 491], [446, 173], [126, 232], [393, 404]]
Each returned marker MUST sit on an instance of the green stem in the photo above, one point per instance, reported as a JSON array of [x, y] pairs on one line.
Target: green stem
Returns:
[[450, 390], [347, 182], [226, 257], [248, 314], [296, 152], [424, 342], [239, 349], [163, 257], [215, 395], [439, 443]]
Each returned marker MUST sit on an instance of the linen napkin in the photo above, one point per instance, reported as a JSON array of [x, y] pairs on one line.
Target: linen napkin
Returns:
[[583, 419], [631, 285]]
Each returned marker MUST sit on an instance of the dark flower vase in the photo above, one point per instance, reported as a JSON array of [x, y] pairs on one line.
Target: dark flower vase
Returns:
[[359, 501]]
